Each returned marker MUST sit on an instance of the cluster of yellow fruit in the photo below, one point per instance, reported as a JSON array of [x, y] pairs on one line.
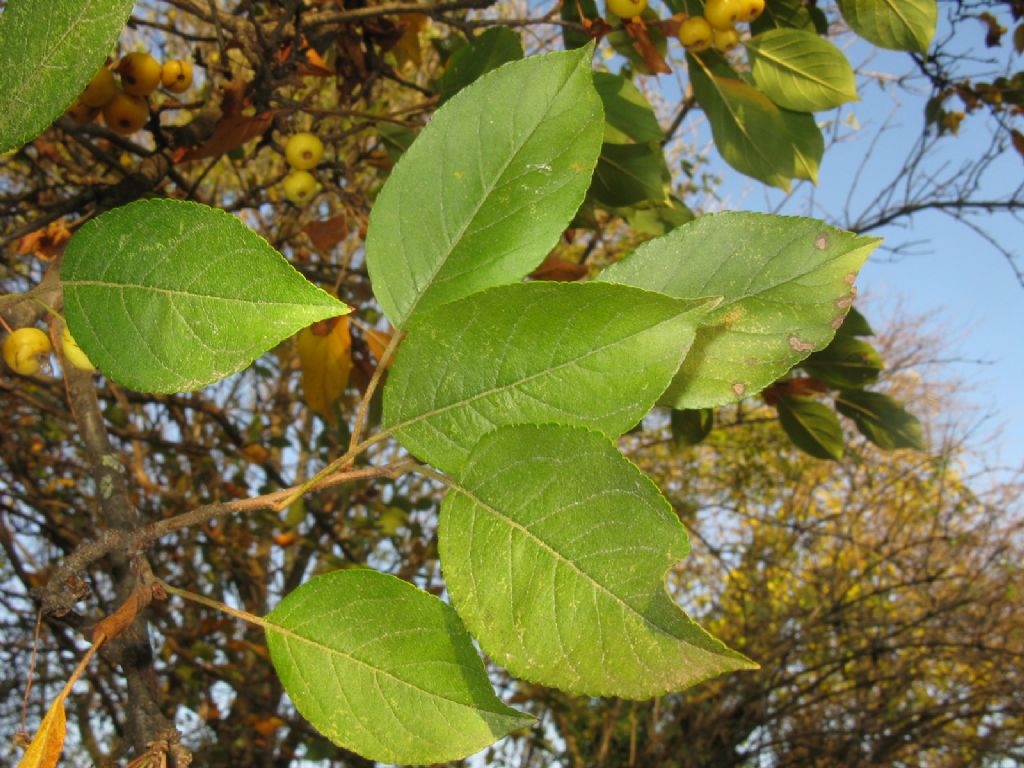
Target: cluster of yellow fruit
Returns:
[[717, 27], [125, 108], [26, 350], [302, 151]]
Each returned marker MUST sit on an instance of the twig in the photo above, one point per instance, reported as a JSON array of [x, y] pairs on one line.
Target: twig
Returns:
[[31, 670], [364, 404], [55, 601]]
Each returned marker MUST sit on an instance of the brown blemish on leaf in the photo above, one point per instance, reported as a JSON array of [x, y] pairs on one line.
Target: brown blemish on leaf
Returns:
[[732, 316], [844, 303], [838, 321], [739, 388], [799, 345], [821, 242], [850, 278]]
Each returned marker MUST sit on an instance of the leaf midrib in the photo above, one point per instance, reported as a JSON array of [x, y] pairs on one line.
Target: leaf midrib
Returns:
[[726, 302], [805, 74], [459, 236], [556, 555], [176, 293], [526, 380], [713, 79], [270, 626], [895, 7]]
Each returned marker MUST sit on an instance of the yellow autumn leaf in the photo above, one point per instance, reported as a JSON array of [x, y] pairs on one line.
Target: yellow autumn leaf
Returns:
[[48, 743], [325, 356], [407, 49], [378, 341]]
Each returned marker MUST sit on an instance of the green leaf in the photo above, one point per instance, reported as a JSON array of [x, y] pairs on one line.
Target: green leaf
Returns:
[[555, 550], [793, 14], [496, 46], [49, 51], [690, 427], [385, 669], [900, 25], [396, 139], [169, 296], [846, 362], [855, 324], [812, 427], [629, 117], [488, 187], [753, 134], [800, 71], [576, 38], [881, 419], [569, 353], [807, 144], [655, 220], [786, 285], [628, 174]]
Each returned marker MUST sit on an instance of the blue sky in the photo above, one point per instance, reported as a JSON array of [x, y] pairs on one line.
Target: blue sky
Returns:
[[949, 272]]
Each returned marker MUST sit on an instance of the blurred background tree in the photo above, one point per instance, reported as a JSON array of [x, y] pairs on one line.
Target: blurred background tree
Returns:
[[878, 593]]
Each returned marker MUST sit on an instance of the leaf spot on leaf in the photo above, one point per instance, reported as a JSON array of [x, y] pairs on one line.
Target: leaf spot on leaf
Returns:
[[739, 388], [732, 316], [799, 345], [850, 278], [821, 242]]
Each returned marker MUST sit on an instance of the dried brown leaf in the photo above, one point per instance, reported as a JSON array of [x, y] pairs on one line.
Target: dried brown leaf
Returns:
[[326, 234], [117, 622], [642, 44], [231, 132], [555, 268]]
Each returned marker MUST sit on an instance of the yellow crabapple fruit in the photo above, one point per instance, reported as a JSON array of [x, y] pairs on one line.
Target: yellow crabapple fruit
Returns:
[[695, 34], [299, 187], [626, 9], [722, 14], [26, 349], [751, 9], [100, 89], [126, 114], [81, 113], [73, 353], [724, 39], [140, 74], [303, 151], [176, 75]]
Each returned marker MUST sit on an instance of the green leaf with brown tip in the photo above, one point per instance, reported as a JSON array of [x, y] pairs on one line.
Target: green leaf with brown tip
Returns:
[[786, 284]]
